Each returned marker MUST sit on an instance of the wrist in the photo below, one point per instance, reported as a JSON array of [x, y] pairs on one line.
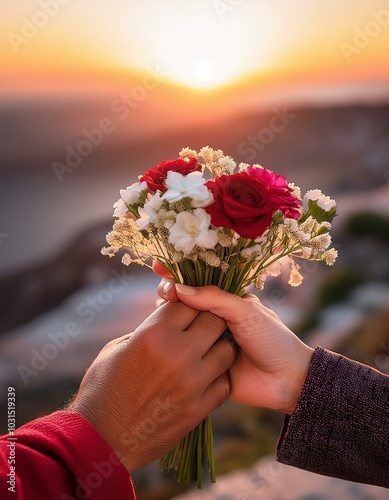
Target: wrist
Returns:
[[296, 378]]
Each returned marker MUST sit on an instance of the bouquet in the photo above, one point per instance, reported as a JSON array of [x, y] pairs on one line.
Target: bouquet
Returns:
[[209, 222]]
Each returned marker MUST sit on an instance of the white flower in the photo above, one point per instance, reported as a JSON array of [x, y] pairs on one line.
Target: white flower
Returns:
[[120, 208], [323, 201], [131, 194], [149, 211], [192, 229], [296, 191], [187, 186]]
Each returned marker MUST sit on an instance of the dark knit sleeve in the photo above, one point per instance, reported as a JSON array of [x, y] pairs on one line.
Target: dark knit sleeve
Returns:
[[340, 426]]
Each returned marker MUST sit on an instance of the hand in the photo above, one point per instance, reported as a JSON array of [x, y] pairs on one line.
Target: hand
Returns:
[[271, 364], [146, 390]]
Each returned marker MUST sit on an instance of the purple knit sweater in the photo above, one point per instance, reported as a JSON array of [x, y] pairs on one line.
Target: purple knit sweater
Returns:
[[340, 426]]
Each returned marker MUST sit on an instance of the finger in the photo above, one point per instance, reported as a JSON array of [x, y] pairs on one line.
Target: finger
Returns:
[[205, 330], [218, 359], [217, 392], [167, 291], [213, 299], [169, 318], [159, 303], [160, 270]]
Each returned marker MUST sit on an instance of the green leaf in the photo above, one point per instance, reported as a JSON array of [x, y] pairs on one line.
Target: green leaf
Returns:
[[278, 217], [134, 210], [319, 213]]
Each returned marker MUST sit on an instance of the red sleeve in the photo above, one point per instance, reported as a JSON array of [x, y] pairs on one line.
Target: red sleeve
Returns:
[[61, 457]]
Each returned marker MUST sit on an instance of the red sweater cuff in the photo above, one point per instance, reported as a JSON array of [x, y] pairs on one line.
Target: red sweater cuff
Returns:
[[62, 456]]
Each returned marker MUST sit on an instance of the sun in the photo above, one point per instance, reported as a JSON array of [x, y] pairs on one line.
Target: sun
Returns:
[[195, 47], [204, 73]]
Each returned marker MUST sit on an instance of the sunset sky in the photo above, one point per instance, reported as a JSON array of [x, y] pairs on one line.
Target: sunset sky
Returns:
[[197, 43]]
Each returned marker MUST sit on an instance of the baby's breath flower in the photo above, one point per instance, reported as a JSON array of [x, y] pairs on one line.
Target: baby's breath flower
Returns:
[[259, 282], [254, 251], [321, 242], [224, 239], [306, 252], [177, 256], [177, 206], [295, 278], [243, 166], [227, 164], [211, 158], [235, 238], [303, 237], [212, 259], [291, 225], [109, 251], [330, 256], [127, 259], [124, 234], [224, 266], [210, 155], [308, 225], [187, 153]]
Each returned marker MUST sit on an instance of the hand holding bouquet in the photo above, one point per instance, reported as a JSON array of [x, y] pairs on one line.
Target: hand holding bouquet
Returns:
[[207, 223]]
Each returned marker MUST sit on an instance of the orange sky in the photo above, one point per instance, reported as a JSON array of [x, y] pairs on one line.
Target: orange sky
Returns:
[[198, 43]]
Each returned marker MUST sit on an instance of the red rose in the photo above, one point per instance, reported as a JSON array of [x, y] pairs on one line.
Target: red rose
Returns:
[[246, 202], [156, 176], [281, 193]]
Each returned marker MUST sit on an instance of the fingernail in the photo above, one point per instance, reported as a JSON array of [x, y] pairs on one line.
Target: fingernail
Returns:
[[185, 289], [166, 287]]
